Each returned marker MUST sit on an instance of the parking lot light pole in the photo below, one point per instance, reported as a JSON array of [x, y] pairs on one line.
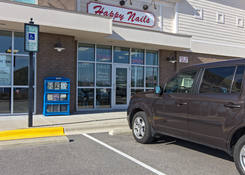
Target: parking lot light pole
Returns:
[[31, 45]]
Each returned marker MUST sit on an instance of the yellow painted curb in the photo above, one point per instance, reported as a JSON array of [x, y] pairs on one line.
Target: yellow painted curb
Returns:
[[31, 133]]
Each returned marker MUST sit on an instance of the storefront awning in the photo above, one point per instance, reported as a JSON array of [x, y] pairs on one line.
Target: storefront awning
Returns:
[[134, 37], [14, 15]]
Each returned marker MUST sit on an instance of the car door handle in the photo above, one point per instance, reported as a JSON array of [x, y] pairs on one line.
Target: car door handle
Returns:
[[181, 104], [231, 105]]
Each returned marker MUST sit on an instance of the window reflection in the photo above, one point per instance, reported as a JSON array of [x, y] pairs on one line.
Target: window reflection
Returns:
[[18, 43], [237, 84], [6, 41], [103, 98], [137, 56], [151, 76], [217, 80], [181, 83], [85, 98], [103, 75], [85, 74], [20, 70], [121, 55], [103, 53], [5, 100], [86, 52], [137, 76], [121, 86], [20, 100], [151, 57]]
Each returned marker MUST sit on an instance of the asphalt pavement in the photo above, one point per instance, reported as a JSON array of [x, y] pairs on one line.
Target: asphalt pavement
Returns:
[[102, 154]]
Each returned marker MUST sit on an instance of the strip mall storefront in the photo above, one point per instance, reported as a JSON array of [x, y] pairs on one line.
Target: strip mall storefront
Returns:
[[109, 53]]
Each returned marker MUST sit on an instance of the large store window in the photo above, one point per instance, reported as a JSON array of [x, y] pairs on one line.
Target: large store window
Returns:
[[97, 76], [13, 73], [121, 55]]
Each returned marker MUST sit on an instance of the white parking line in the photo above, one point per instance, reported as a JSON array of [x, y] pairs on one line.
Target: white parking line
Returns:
[[125, 155]]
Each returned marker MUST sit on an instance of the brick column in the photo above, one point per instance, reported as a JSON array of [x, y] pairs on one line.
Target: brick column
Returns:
[[51, 63]]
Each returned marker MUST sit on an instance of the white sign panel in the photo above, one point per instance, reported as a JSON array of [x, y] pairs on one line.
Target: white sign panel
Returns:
[[183, 59], [31, 38], [122, 15]]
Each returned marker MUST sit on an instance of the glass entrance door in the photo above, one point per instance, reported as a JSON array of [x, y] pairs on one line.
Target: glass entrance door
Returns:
[[121, 86]]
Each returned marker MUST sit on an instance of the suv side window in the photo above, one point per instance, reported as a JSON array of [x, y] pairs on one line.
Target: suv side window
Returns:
[[181, 83], [217, 80], [237, 84]]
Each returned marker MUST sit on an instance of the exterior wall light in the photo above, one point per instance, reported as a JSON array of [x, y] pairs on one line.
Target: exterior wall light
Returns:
[[145, 7], [122, 2], [58, 46], [172, 59]]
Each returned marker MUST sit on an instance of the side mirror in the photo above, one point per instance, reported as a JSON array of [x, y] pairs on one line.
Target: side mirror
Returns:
[[158, 90]]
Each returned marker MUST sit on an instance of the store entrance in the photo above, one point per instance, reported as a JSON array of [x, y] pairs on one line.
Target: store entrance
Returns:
[[121, 86]]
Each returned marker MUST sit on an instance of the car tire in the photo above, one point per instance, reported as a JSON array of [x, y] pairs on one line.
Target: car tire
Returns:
[[141, 128], [239, 155]]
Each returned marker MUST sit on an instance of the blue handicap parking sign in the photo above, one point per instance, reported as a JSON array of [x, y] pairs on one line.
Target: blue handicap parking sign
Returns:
[[31, 36]]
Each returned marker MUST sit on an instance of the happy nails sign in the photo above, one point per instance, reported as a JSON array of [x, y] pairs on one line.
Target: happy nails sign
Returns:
[[122, 15]]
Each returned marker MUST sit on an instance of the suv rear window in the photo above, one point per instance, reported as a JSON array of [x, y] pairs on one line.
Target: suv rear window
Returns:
[[219, 80]]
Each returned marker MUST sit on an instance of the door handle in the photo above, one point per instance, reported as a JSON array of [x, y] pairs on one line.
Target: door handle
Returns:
[[232, 105], [181, 104]]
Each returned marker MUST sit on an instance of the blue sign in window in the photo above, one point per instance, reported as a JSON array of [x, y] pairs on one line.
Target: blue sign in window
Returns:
[[27, 1]]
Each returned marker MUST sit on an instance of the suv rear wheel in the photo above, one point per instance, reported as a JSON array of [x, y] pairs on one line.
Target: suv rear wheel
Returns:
[[141, 128], [239, 155]]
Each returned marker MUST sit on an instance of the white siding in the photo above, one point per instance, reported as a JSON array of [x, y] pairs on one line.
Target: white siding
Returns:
[[168, 17], [208, 30]]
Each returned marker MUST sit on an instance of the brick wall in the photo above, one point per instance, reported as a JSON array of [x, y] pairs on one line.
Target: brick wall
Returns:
[[51, 63], [169, 69], [70, 5]]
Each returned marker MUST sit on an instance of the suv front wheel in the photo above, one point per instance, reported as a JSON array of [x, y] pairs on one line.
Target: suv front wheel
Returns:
[[141, 128]]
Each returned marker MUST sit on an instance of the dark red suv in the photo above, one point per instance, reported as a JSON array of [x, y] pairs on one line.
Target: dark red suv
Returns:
[[201, 103]]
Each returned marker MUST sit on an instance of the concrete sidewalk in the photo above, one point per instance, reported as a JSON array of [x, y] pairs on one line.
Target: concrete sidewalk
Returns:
[[73, 124]]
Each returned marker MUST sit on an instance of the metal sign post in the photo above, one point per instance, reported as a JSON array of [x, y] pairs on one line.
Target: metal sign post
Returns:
[[31, 45]]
